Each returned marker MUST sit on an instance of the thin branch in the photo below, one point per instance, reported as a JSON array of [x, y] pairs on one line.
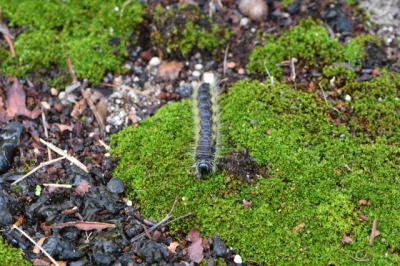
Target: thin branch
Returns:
[[154, 227], [147, 232], [37, 168], [33, 242], [46, 133], [225, 59], [10, 43], [373, 232], [107, 147], [66, 155], [323, 94], [57, 185]]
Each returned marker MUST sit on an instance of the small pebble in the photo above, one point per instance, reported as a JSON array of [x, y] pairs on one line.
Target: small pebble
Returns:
[[155, 61], [198, 66], [244, 22], [196, 74], [347, 98], [54, 91], [237, 259], [254, 9], [129, 203], [241, 71]]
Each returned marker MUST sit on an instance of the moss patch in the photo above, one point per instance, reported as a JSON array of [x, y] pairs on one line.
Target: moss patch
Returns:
[[11, 256], [311, 45], [81, 29], [306, 182], [183, 28]]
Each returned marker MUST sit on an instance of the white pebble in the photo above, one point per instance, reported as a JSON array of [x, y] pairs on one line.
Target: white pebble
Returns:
[[198, 66], [255, 9], [347, 98], [155, 61], [244, 21], [53, 91], [196, 74], [237, 259], [129, 203]]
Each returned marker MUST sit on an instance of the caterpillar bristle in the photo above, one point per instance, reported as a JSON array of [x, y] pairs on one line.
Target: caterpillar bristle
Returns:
[[206, 119]]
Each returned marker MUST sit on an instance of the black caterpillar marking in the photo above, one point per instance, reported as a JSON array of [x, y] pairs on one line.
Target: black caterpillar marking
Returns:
[[205, 106]]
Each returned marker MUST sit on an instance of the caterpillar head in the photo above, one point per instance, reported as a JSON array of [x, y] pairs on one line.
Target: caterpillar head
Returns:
[[203, 168]]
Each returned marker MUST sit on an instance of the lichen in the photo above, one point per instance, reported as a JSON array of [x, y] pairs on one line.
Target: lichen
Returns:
[[307, 180], [81, 29]]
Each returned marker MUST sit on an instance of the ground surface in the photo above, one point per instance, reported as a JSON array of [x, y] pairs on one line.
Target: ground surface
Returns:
[[310, 156]]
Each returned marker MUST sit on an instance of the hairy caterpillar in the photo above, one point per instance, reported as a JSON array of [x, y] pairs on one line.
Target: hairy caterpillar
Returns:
[[206, 119]]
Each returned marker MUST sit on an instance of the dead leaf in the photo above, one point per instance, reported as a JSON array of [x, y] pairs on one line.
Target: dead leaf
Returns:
[[364, 203], [346, 239], [63, 127], [85, 226], [172, 247], [36, 249], [82, 188], [78, 109], [169, 70], [300, 226], [363, 217], [195, 250], [15, 103]]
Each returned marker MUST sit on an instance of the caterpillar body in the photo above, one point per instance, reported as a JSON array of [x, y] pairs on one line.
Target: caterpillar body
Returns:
[[206, 119]]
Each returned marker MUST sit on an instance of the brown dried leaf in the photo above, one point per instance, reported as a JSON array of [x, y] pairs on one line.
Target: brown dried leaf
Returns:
[[364, 202], [82, 188], [79, 107], [195, 250], [300, 226], [172, 247], [15, 102], [363, 217], [346, 239], [169, 70], [85, 226], [63, 127], [36, 249]]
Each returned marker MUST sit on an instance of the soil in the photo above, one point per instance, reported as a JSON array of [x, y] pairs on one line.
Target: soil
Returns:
[[69, 221]]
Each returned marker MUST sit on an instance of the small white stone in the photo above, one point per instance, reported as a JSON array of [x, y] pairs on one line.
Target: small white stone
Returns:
[[241, 71], [54, 91], [129, 203], [244, 21], [107, 154], [237, 259], [347, 98], [198, 66], [209, 77], [116, 9], [155, 61], [196, 74], [118, 101]]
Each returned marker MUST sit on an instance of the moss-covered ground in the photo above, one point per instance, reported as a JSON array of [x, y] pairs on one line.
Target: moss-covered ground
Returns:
[[94, 33]]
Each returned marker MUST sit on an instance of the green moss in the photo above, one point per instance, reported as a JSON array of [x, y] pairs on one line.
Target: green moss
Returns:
[[306, 182], [182, 28], [11, 256], [81, 29], [311, 45]]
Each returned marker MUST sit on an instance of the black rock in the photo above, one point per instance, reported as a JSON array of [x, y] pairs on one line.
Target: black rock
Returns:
[[151, 252], [219, 247], [9, 142], [115, 186]]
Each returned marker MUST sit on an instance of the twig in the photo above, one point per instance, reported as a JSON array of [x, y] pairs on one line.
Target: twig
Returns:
[[180, 217], [292, 61], [71, 70], [66, 155], [225, 59], [33, 242], [10, 43], [57, 185], [347, 167], [358, 258], [147, 232], [271, 78], [92, 107], [373, 233], [37, 168], [46, 133], [107, 147], [154, 227], [323, 94]]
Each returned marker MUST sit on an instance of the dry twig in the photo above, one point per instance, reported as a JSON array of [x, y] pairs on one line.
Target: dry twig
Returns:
[[33, 242], [46, 133], [66, 155], [57, 185], [373, 233], [37, 168]]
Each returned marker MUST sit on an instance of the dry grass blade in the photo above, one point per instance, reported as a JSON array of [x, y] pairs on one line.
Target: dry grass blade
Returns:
[[66, 155], [85, 226], [37, 168], [57, 185]]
